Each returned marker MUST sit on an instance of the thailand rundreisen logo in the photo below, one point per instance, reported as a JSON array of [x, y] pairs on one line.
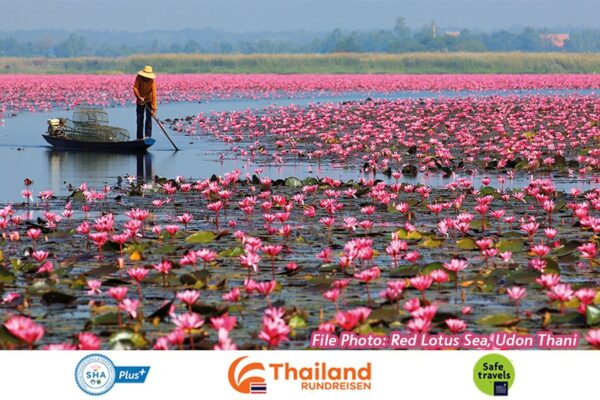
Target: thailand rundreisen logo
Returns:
[[246, 379], [250, 377]]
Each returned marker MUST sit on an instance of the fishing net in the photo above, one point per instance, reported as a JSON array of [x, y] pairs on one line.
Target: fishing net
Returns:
[[89, 124]]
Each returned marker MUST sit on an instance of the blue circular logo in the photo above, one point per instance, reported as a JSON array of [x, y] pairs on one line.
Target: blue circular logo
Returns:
[[95, 374]]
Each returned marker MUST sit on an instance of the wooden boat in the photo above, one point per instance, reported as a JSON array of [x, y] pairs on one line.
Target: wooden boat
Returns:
[[130, 146], [89, 131]]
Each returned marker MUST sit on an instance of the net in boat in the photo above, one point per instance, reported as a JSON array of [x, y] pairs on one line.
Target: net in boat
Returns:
[[89, 124]]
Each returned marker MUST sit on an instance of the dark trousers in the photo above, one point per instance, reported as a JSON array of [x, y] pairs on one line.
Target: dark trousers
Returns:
[[140, 121]]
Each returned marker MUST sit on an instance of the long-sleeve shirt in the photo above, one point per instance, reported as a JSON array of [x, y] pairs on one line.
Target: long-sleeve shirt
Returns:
[[145, 88]]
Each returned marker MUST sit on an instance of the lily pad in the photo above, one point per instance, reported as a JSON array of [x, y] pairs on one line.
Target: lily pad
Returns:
[[201, 237], [512, 245], [103, 270], [7, 339], [109, 318], [573, 318], [467, 244], [403, 234], [166, 249], [404, 272], [431, 243], [6, 276], [209, 310], [522, 276], [38, 288], [53, 297], [128, 336], [386, 313], [592, 315], [435, 266], [297, 322], [328, 268], [501, 319], [232, 252], [293, 182]]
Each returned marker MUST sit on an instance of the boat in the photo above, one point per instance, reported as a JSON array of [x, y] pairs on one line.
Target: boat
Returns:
[[89, 131], [132, 146]]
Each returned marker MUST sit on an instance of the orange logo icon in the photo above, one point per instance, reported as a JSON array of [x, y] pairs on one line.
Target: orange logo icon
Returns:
[[253, 384]]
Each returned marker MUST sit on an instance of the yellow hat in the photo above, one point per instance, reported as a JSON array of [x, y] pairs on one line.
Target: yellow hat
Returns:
[[147, 72]]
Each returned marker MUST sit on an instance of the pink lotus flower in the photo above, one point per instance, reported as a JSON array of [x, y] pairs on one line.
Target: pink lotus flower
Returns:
[[550, 233], [419, 325], [456, 265], [225, 342], [233, 296], [421, 282], [593, 338], [439, 276], [562, 293], [138, 273], [412, 256], [588, 251], [548, 280], [225, 322], [346, 320], [185, 219], [250, 261], [94, 285], [88, 341], [367, 276], [412, 304], [274, 329], [266, 288], [172, 230], [586, 297], [9, 297], [188, 297], [249, 285], [540, 250], [130, 306], [455, 325], [516, 293], [538, 264], [188, 321], [332, 295], [40, 255], [25, 329], [326, 327], [46, 268], [163, 267], [118, 293], [427, 312]]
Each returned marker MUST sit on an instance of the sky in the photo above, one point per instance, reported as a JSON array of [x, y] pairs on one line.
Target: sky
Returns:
[[291, 15]]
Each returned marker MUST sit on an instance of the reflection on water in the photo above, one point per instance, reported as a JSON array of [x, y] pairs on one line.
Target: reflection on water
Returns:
[[87, 165], [144, 165]]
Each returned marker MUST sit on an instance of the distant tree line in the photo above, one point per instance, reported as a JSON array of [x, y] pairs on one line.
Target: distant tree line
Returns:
[[399, 39]]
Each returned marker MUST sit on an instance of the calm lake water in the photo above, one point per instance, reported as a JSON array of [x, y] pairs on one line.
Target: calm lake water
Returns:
[[25, 154]]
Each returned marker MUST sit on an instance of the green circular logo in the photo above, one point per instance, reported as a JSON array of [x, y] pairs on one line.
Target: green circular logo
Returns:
[[494, 374]]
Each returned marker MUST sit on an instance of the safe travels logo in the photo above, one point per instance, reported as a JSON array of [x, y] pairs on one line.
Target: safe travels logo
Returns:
[[494, 374]]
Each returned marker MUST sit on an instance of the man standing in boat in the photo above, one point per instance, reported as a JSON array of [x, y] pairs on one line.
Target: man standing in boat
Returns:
[[144, 89]]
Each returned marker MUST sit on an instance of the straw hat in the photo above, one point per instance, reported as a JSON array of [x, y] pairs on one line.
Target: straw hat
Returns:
[[147, 72]]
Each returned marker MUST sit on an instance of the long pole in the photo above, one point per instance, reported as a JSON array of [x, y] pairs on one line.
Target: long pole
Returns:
[[162, 128]]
